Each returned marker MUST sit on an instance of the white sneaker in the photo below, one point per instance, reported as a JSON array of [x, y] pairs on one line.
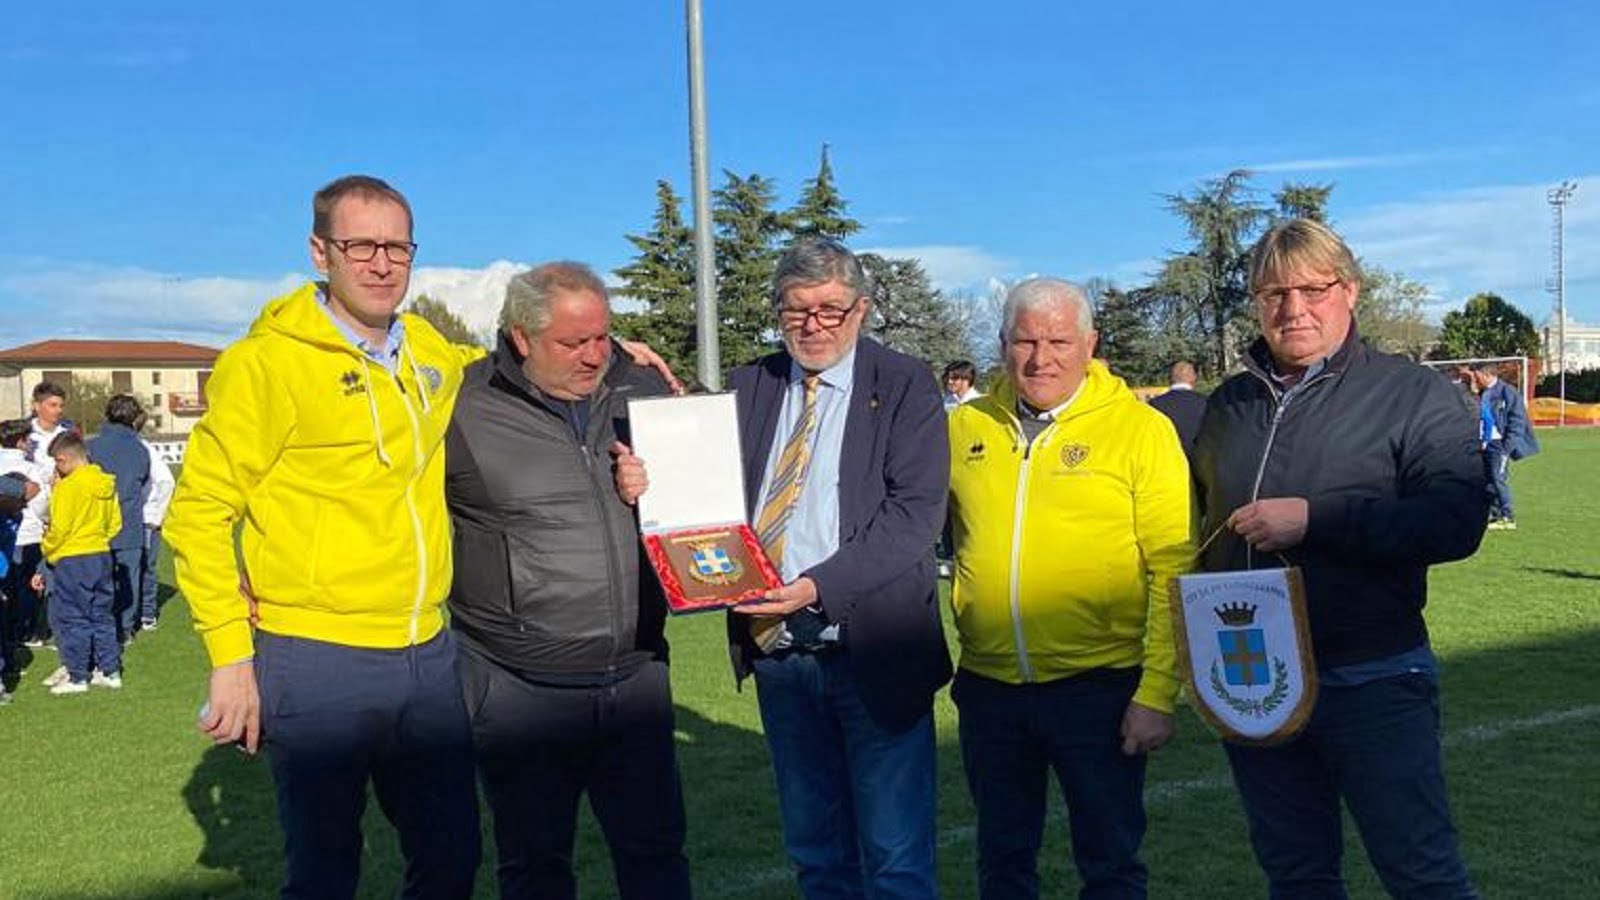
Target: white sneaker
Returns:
[[56, 677], [70, 687], [101, 679]]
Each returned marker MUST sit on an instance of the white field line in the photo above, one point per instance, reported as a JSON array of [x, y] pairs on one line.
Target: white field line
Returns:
[[1162, 793]]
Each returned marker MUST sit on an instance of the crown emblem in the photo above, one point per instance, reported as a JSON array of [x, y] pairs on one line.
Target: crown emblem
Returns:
[[1236, 614]]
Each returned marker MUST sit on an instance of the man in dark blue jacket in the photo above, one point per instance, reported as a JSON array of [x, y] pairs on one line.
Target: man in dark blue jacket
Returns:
[[846, 470], [1506, 437], [117, 450], [1362, 469]]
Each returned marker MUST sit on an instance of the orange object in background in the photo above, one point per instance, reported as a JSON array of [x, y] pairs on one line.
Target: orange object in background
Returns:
[[1547, 411]]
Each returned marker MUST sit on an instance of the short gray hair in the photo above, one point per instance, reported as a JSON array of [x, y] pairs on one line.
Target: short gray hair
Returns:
[[814, 260], [1040, 292], [529, 295]]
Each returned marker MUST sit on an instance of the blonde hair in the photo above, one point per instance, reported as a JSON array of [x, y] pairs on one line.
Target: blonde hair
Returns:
[[1297, 243]]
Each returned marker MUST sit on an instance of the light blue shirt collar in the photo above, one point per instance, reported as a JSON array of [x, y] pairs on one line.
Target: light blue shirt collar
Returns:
[[387, 355], [839, 375]]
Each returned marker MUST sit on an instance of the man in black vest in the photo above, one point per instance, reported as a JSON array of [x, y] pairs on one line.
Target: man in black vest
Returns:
[[562, 655]]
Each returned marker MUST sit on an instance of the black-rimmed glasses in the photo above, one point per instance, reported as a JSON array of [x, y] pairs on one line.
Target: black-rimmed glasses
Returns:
[[826, 316], [401, 253]]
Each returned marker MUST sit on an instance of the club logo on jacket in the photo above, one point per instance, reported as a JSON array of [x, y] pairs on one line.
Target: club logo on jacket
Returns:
[[432, 376], [353, 384], [1073, 455]]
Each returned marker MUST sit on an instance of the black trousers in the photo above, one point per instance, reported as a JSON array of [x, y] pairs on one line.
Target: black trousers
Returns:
[[541, 746]]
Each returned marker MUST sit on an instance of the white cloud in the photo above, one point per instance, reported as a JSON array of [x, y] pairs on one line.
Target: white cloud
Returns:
[[473, 294], [1335, 163], [953, 267], [1486, 239]]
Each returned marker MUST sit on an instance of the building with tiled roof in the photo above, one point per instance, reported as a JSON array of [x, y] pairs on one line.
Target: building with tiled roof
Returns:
[[168, 377]]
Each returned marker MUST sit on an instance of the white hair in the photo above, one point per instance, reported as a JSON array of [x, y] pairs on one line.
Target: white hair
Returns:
[[1035, 293]]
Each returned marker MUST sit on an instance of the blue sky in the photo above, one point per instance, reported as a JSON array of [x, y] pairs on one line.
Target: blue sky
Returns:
[[157, 159]]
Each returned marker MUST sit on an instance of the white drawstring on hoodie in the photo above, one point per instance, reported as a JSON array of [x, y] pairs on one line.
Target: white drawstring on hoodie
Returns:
[[372, 407]]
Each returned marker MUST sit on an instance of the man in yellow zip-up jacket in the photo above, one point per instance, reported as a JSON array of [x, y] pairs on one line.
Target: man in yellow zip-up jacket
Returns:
[[1070, 510], [322, 446]]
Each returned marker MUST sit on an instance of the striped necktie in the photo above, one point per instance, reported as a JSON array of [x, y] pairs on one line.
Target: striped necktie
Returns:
[[788, 478]]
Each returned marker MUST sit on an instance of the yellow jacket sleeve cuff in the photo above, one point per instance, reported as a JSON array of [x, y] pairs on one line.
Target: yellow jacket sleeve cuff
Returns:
[[1158, 691], [230, 643]]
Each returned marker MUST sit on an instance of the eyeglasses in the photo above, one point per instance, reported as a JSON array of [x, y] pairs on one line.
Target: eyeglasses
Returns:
[[826, 316], [1312, 294], [362, 250]]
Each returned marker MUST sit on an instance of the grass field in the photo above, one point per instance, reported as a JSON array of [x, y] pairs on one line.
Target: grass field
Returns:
[[113, 794]]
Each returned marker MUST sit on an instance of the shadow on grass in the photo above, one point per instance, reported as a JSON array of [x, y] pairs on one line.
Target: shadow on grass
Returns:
[[232, 799], [1563, 573]]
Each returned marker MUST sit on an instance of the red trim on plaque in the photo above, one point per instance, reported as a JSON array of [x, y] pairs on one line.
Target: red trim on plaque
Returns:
[[701, 597]]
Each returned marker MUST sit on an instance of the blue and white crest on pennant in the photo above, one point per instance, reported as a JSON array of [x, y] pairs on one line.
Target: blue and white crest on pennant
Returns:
[[1244, 656], [1246, 651]]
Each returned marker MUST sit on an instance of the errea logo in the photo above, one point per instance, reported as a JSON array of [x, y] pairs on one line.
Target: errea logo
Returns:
[[353, 384]]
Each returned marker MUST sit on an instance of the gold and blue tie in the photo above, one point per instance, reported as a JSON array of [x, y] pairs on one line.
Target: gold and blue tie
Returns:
[[788, 478]]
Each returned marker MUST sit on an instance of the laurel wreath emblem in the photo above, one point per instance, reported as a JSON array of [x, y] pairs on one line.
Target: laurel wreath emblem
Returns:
[[1249, 706]]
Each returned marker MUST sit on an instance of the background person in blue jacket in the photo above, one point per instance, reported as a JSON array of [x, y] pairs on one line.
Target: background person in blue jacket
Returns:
[[1507, 436], [118, 450]]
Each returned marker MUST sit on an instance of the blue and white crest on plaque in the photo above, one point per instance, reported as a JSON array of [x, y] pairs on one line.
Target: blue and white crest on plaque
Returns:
[[713, 561]]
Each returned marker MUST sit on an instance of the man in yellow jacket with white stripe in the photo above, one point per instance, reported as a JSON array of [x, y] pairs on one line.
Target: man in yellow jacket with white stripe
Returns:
[[1069, 506], [322, 446]]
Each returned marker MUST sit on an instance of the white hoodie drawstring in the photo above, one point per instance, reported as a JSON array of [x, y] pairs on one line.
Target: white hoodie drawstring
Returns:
[[372, 407]]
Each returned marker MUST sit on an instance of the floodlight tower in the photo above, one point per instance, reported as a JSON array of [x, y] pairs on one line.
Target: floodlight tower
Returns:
[[1558, 197]]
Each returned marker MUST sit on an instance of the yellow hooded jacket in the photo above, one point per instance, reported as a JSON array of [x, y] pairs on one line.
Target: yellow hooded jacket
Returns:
[[332, 469], [84, 515], [1064, 547]]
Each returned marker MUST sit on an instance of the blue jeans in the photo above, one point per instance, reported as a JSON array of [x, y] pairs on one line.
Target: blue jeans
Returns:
[[334, 718], [1497, 466], [1376, 747], [80, 614], [148, 583], [127, 570], [857, 801], [1012, 737]]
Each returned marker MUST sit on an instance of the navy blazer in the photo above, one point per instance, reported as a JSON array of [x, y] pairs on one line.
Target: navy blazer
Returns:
[[880, 586]]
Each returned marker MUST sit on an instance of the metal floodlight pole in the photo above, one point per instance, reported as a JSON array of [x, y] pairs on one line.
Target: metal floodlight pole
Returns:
[[1558, 197], [705, 283]]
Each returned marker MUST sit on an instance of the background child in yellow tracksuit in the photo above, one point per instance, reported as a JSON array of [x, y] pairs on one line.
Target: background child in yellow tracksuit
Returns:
[[77, 547]]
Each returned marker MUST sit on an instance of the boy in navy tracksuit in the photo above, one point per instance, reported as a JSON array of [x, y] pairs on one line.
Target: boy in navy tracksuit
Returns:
[[84, 516]]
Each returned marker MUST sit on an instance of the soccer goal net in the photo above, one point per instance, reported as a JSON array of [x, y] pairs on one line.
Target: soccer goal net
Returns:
[[1510, 369]]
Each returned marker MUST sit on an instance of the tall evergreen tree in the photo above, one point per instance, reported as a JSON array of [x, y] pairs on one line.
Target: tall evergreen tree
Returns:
[[444, 320], [748, 235], [1210, 280], [910, 315], [1303, 201], [820, 211], [661, 276]]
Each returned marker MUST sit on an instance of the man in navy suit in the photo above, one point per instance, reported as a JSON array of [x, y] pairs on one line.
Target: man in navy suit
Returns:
[[846, 469], [1184, 405]]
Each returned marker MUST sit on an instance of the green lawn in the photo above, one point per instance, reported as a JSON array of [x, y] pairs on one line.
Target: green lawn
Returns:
[[113, 795]]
